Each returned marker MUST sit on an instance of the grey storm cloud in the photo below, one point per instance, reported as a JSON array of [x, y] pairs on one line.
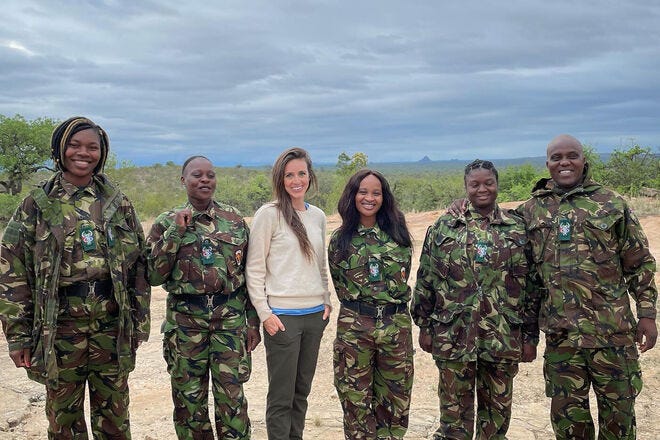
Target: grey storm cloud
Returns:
[[240, 81]]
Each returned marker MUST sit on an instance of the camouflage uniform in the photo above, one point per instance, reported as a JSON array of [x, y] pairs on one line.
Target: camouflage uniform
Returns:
[[85, 338], [471, 286], [590, 253], [208, 312], [373, 356]]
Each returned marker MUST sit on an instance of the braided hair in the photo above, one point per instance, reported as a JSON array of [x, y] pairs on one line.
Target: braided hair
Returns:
[[63, 133], [478, 163]]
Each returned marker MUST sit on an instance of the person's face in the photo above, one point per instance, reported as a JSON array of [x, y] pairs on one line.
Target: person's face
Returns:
[[369, 199], [82, 154], [565, 162], [481, 189], [199, 180], [296, 179]]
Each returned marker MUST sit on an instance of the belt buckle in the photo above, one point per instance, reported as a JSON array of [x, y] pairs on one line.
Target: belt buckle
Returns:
[[209, 301], [91, 288], [379, 311]]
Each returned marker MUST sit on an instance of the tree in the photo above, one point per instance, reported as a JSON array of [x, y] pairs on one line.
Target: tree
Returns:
[[347, 165], [24, 149], [629, 170]]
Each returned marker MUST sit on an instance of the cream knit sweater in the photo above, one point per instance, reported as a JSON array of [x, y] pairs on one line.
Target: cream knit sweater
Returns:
[[277, 272]]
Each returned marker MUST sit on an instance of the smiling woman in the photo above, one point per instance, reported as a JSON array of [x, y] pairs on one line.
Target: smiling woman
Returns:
[[197, 251], [288, 285], [370, 259], [74, 301], [468, 303]]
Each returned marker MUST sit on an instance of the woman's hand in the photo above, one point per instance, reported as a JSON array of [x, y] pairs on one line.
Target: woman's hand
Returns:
[[426, 341], [182, 219], [253, 338], [457, 207], [273, 325], [528, 353]]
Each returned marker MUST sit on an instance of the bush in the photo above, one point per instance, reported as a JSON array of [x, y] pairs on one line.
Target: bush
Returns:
[[8, 205]]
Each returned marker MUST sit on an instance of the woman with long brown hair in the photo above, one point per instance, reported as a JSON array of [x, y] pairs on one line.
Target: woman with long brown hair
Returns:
[[288, 286]]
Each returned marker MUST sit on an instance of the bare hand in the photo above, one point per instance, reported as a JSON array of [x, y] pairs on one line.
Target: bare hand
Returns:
[[426, 341], [253, 338], [528, 353], [21, 358], [183, 218], [647, 334], [273, 325], [457, 207], [326, 311]]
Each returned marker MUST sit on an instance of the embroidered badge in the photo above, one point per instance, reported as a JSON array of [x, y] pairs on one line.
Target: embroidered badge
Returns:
[[239, 257], [87, 237], [482, 252], [564, 229], [207, 253], [374, 270]]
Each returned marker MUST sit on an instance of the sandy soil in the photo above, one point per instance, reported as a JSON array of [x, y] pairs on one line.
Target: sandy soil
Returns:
[[22, 401]]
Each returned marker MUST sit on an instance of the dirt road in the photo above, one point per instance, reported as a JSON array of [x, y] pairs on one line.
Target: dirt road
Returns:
[[22, 401]]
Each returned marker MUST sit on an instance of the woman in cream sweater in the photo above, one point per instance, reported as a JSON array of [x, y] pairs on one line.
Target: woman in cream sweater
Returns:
[[288, 286]]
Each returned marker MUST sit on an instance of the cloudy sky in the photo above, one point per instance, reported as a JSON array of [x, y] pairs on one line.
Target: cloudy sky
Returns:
[[239, 81]]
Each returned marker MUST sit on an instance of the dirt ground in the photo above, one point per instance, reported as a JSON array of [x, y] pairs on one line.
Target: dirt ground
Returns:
[[22, 401]]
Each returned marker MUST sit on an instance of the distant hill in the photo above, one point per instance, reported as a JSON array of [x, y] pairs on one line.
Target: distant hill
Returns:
[[426, 164]]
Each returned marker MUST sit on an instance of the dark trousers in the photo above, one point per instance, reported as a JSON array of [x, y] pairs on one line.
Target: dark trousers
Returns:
[[291, 358]]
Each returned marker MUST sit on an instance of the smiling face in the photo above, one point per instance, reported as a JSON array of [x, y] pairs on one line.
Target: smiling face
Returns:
[[481, 189], [199, 180], [565, 161], [369, 199], [82, 154], [296, 182]]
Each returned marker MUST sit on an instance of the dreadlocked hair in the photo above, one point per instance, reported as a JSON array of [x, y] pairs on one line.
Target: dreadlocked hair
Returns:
[[484, 164], [63, 133], [283, 200]]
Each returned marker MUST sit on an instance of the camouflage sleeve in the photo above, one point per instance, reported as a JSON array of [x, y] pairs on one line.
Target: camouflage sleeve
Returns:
[[336, 273], [531, 306], [162, 246], [638, 265], [140, 293], [533, 292], [424, 296], [16, 303]]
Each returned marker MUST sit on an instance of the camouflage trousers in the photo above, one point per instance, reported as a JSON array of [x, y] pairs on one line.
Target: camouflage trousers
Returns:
[[493, 384], [373, 363], [201, 342], [616, 377], [86, 352]]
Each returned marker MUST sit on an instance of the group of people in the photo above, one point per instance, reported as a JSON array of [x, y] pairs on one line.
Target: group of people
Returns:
[[76, 271]]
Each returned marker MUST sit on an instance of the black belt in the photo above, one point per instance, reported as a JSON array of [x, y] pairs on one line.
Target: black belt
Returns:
[[210, 300], [375, 311], [83, 289]]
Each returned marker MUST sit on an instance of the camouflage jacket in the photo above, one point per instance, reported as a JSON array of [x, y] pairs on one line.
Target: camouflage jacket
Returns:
[[371, 248], [471, 286], [590, 252], [176, 261], [31, 252]]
